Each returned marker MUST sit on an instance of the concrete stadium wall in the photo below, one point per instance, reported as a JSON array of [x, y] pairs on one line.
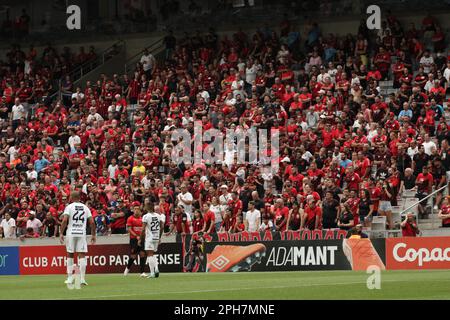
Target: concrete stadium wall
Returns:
[[135, 43], [113, 65]]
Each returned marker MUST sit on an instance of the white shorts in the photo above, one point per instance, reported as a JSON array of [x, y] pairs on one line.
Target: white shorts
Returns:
[[76, 244], [151, 245], [385, 206]]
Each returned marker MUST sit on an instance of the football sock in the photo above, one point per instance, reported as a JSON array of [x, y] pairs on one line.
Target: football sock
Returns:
[[69, 267], [151, 263], [82, 263], [130, 263], [156, 264], [142, 264]]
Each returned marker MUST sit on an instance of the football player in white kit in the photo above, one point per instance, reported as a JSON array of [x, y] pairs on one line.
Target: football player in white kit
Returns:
[[152, 228], [75, 217]]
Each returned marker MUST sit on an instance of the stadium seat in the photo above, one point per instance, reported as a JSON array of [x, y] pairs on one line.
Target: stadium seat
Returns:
[[378, 228]]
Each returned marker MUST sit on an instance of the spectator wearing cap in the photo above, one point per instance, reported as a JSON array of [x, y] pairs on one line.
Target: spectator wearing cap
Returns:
[[34, 223], [357, 233], [323, 74], [225, 197]]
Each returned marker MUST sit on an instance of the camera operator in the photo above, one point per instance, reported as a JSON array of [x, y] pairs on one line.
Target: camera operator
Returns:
[[409, 226], [196, 252], [356, 233]]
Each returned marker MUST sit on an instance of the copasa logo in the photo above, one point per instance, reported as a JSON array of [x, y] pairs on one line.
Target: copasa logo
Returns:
[[421, 255]]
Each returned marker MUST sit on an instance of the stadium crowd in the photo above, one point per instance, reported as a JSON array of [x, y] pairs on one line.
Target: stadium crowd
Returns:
[[347, 151]]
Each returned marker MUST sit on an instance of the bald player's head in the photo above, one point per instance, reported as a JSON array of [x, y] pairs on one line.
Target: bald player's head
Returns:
[[75, 196]]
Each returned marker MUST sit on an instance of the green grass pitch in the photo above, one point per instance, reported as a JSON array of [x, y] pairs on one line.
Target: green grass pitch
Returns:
[[424, 284]]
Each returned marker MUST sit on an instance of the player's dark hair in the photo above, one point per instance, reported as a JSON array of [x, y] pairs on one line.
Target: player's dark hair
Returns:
[[150, 207]]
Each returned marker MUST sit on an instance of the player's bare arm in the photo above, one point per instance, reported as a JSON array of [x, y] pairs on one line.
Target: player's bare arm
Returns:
[[93, 230], [172, 226], [130, 231], [141, 239], [63, 228], [161, 230]]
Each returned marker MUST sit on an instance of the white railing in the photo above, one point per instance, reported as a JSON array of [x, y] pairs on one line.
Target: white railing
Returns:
[[431, 195]]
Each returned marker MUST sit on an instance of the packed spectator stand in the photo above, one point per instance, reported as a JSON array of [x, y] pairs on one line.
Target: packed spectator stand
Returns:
[[349, 147]]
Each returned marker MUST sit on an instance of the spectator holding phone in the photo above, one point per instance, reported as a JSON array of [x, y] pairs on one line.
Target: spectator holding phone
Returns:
[[409, 226]]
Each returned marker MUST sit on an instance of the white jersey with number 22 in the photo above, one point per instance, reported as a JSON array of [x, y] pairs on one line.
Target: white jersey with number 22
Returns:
[[153, 227], [78, 215]]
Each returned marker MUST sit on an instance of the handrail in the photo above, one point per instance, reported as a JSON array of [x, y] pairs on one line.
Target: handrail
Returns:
[[79, 69], [100, 56], [426, 198], [57, 92]]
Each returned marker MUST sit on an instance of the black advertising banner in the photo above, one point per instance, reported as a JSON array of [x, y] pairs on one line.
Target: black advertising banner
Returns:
[[170, 257], [193, 246], [306, 255]]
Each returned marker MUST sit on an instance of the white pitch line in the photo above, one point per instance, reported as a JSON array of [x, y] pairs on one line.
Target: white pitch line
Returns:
[[229, 289]]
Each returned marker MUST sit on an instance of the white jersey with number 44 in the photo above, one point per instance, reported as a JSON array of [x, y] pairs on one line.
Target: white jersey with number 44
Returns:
[[153, 226], [78, 215]]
